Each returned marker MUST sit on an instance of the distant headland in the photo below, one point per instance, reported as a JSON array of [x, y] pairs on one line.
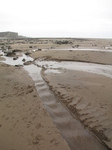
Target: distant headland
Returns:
[[10, 35]]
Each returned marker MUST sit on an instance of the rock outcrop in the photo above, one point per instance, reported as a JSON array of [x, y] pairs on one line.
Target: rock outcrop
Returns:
[[9, 35]]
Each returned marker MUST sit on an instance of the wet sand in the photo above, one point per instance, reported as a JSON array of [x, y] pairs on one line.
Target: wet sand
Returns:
[[70, 127], [24, 122], [86, 95], [75, 55]]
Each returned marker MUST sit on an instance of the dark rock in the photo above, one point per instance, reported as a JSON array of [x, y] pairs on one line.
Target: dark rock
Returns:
[[28, 63], [27, 53], [9, 47], [10, 54], [63, 42], [76, 46], [17, 50], [15, 58], [24, 60], [4, 50], [18, 65]]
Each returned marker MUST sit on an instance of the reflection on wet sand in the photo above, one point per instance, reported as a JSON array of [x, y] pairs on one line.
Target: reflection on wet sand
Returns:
[[71, 129]]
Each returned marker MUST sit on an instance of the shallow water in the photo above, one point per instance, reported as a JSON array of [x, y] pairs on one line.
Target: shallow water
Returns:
[[85, 49], [10, 61], [105, 70]]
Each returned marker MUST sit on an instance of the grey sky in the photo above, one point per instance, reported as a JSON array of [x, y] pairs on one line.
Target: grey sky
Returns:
[[65, 18]]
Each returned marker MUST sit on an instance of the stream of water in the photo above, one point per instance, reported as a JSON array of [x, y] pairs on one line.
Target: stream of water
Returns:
[[77, 137]]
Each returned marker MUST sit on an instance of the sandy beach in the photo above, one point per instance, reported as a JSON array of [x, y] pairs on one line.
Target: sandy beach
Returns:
[[25, 123], [88, 96]]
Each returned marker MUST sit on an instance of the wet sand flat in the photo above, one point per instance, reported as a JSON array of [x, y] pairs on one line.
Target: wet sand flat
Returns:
[[86, 95], [24, 123], [75, 55], [70, 127]]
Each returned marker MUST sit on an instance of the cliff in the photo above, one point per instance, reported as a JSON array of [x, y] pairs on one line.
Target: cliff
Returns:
[[10, 35]]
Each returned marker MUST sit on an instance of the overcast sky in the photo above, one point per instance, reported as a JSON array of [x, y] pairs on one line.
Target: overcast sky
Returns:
[[57, 18]]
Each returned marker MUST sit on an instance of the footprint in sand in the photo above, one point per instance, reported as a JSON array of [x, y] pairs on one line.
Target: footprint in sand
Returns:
[[37, 139], [38, 125], [54, 142]]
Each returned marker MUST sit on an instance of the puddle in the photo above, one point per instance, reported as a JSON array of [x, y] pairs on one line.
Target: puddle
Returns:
[[105, 70], [92, 49], [49, 71], [10, 61]]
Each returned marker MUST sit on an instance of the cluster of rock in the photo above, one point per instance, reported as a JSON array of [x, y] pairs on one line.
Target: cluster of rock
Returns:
[[12, 53], [63, 42]]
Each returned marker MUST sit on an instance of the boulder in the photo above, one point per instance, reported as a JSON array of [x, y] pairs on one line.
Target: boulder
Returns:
[[27, 53], [17, 50], [28, 63], [24, 60], [10, 54], [15, 58], [18, 65]]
